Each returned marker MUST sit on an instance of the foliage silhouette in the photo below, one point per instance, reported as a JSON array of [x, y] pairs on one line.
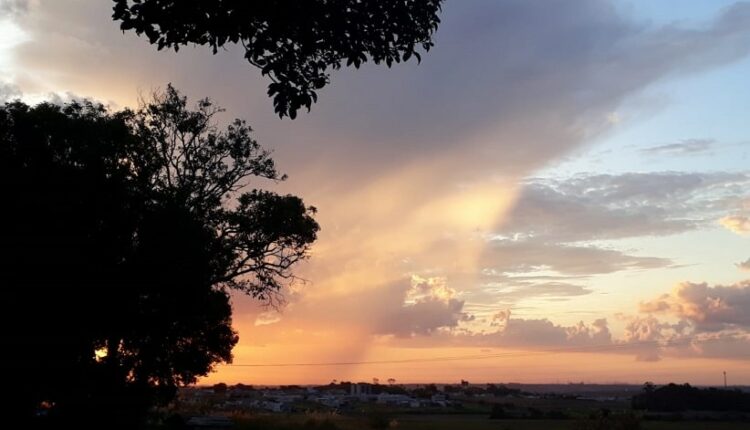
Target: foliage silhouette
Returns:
[[123, 235], [676, 398], [295, 43]]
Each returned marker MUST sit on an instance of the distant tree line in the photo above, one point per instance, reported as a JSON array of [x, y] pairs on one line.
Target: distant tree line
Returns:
[[675, 398]]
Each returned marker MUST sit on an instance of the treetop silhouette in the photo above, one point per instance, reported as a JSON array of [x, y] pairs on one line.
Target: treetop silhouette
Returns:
[[294, 43]]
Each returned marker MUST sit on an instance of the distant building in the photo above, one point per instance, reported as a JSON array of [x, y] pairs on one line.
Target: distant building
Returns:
[[330, 401], [274, 406], [361, 389], [440, 400], [394, 399]]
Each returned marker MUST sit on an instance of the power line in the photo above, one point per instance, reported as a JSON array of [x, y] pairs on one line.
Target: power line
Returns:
[[584, 348]]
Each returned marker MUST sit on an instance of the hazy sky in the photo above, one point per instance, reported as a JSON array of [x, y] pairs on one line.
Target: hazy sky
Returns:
[[558, 185]]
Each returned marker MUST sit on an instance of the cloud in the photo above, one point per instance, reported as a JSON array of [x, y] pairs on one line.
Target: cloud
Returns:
[[511, 291], [694, 320], [585, 61], [428, 306], [744, 265], [684, 147], [654, 188], [423, 318], [723, 345], [543, 333], [531, 256], [645, 333], [12, 36], [707, 308], [11, 8], [406, 307], [9, 92], [589, 207], [739, 224], [528, 334], [500, 318]]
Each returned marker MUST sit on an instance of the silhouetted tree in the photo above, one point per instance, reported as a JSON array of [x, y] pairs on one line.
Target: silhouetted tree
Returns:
[[295, 43], [675, 397], [123, 235], [220, 388]]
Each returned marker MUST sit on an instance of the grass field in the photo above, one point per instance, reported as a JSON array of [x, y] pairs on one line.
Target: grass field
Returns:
[[453, 422], [469, 422]]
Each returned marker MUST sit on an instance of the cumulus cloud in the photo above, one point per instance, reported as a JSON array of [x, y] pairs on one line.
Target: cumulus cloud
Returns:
[[543, 333], [708, 308], [428, 305], [694, 320], [744, 265], [533, 334], [500, 318], [685, 147], [739, 224], [730, 344], [423, 318], [646, 333]]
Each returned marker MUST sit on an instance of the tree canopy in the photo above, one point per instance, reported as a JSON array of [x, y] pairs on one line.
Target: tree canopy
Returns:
[[675, 397], [123, 235], [294, 43]]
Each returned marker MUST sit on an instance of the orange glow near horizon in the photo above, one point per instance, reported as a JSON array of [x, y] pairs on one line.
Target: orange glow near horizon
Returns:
[[525, 367]]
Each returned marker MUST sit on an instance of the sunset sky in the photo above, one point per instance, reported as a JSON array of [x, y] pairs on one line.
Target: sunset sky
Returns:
[[559, 192]]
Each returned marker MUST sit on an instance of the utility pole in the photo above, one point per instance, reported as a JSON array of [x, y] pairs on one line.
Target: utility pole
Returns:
[[725, 379]]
